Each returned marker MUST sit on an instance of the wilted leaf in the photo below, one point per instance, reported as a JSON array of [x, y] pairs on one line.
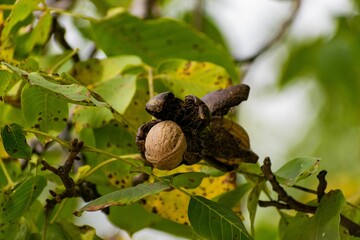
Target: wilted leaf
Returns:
[[296, 170], [15, 142], [158, 40], [123, 197], [214, 221]]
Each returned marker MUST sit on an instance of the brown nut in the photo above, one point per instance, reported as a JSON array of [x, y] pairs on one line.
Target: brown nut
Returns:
[[165, 145], [235, 129], [244, 153]]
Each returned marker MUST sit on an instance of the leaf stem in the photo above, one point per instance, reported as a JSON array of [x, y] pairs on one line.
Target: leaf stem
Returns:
[[63, 60], [104, 163], [61, 207], [100, 151], [63, 143], [68, 145], [150, 82], [7, 176]]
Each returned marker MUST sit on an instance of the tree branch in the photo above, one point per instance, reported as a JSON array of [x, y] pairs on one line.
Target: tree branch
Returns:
[[285, 27], [287, 202]]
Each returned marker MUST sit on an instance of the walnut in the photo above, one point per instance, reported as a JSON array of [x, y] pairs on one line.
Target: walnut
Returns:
[[165, 145], [236, 130]]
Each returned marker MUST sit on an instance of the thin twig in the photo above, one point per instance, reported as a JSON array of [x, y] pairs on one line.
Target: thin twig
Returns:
[[198, 15], [322, 185], [304, 189], [285, 27], [287, 202]]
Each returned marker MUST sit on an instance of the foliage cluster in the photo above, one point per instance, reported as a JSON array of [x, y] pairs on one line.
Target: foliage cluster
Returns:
[[49, 100]]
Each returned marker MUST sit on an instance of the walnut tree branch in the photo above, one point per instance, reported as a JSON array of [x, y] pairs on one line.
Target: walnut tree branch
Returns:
[[84, 189], [287, 202]]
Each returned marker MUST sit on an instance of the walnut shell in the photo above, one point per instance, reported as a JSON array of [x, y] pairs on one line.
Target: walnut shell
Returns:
[[165, 145], [235, 129]]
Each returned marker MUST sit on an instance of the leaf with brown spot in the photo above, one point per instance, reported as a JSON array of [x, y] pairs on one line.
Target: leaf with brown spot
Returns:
[[14, 141], [35, 100], [198, 78], [158, 40], [173, 204]]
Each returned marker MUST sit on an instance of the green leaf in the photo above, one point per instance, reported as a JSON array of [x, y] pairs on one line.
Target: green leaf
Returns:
[[250, 168], [18, 201], [55, 232], [296, 170], [43, 110], [123, 197], [187, 180], [6, 78], [17, 230], [198, 78], [15, 142], [38, 35], [138, 218], [158, 40], [294, 227], [21, 11], [76, 232], [118, 91], [135, 112], [324, 224], [231, 198], [13, 168], [10, 114], [90, 117], [95, 70], [252, 205], [73, 92], [326, 221], [211, 220], [208, 26]]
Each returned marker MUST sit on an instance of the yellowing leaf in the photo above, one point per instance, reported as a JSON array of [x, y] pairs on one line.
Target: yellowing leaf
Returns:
[[173, 204], [188, 77]]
